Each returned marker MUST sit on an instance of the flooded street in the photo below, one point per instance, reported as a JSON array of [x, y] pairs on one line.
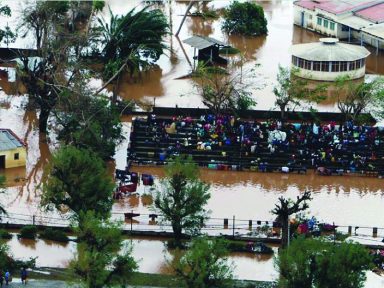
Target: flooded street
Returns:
[[356, 201]]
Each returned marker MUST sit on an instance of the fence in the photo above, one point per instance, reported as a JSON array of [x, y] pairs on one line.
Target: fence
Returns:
[[154, 223]]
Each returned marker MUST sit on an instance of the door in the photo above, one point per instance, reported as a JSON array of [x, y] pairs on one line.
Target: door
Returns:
[[302, 18], [2, 162]]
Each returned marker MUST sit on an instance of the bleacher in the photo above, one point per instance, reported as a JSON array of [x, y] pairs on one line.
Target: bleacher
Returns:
[[149, 147]]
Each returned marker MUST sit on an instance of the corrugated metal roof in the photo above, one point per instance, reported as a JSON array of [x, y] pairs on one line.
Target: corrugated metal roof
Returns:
[[8, 141], [335, 6], [202, 42], [373, 13], [320, 51]]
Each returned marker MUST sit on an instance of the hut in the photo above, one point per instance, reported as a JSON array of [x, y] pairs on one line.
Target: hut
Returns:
[[208, 49], [329, 59], [12, 150]]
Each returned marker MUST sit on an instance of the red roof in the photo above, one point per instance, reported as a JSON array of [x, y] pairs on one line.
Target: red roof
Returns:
[[332, 6], [374, 13]]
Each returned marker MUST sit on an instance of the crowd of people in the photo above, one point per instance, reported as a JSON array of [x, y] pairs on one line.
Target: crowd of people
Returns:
[[345, 147]]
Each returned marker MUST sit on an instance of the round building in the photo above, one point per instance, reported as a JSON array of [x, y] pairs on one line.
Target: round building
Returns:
[[328, 59]]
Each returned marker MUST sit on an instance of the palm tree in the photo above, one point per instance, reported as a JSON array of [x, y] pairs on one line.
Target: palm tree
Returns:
[[132, 42]]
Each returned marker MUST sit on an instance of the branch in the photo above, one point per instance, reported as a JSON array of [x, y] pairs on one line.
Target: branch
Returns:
[[112, 78]]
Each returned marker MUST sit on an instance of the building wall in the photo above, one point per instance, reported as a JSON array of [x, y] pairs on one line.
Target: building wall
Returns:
[[311, 23], [10, 161], [328, 76]]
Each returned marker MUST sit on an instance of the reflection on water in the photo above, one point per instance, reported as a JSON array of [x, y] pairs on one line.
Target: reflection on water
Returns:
[[151, 254], [251, 195]]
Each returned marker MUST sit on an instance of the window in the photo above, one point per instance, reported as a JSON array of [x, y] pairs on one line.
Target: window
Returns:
[[332, 25], [325, 66], [307, 64], [316, 66], [16, 156], [300, 63], [335, 66], [325, 23], [352, 66], [294, 60], [319, 21], [358, 64], [344, 28], [343, 66]]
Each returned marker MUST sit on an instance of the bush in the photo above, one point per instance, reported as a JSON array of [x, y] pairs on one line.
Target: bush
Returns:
[[245, 19], [28, 232], [54, 235], [5, 234]]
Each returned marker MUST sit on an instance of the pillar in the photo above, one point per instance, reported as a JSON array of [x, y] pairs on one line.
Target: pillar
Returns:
[[374, 232]]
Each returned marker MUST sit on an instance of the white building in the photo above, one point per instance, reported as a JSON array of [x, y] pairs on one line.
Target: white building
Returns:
[[344, 19], [328, 59]]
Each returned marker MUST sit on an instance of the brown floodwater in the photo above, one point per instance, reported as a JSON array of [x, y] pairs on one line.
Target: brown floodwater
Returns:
[[151, 254], [268, 51], [247, 195]]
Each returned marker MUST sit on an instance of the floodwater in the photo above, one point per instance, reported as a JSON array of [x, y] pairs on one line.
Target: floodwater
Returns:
[[151, 254], [355, 201]]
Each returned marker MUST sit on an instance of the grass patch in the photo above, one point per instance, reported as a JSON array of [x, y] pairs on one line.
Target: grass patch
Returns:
[[229, 50], [54, 235]]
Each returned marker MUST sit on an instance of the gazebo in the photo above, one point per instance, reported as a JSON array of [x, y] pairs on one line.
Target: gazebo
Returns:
[[208, 49], [329, 59]]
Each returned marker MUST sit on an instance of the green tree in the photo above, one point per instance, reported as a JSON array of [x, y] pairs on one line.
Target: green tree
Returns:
[[309, 263], [7, 35], [89, 122], [205, 264], [102, 260], [354, 98], [132, 42], [222, 92], [287, 207], [245, 18], [291, 91], [78, 181], [182, 197]]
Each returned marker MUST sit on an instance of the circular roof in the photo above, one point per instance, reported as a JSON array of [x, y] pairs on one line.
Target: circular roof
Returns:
[[329, 49]]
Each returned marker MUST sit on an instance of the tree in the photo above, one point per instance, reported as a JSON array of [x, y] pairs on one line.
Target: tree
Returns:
[[285, 208], [132, 42], [291, 91], [39, 18], [89, 122], [78, 180], [205, 264], [245, 19], [6, 34], [309, 263], [222, 92], [354, 98], [102, 259], [181, 197]]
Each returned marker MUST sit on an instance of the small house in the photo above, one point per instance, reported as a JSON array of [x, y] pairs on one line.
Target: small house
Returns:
[[12, 150]]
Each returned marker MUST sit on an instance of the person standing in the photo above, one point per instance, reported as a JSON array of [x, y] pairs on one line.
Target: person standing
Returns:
[[7, 278], [1, 279], [23, 276]]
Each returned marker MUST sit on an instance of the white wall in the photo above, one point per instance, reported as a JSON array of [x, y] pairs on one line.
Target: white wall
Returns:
[[328, 76]]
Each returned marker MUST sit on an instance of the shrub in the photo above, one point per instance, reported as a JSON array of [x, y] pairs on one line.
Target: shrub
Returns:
[[54, 235], [245, 19], [28, 232], [5, 234]]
